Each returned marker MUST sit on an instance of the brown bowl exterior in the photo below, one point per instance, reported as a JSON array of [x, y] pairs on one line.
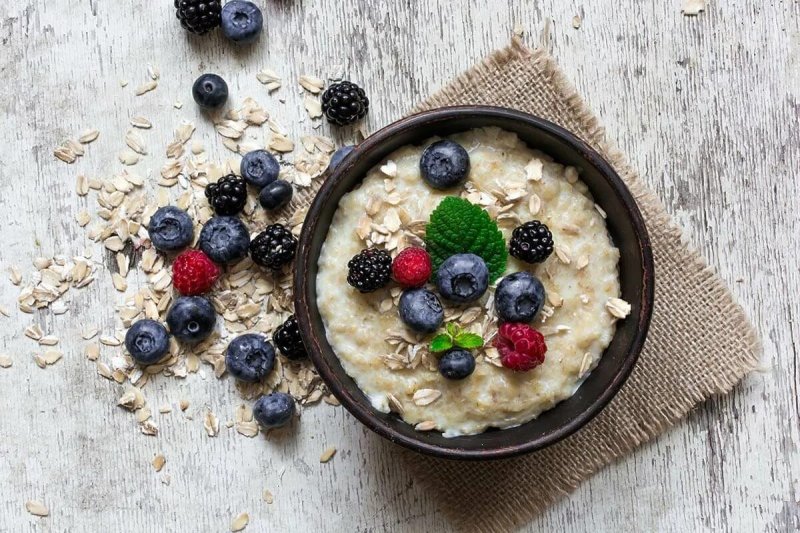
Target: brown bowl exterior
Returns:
[[625, 225]]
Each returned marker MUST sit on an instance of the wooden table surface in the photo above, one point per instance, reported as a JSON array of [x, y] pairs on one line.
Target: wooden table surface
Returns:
[[706, 107]]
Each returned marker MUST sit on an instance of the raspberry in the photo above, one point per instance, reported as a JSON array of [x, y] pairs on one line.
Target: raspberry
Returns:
[[193, 273], [412, 267], [521, 347]]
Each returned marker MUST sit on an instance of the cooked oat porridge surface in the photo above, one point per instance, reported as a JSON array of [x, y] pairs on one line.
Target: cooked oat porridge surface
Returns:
[[391, 363]]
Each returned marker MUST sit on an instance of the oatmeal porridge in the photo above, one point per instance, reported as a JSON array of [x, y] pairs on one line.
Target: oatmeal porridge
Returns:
[[397, 366]]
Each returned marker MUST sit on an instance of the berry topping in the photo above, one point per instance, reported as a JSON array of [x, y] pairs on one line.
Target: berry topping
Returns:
[[225, 239], [339, 155], [259, 168], [521, 347], [274, 247], [241, 21], [421, 310], [191, 318], [369, 269], [275, 195], [518, 297], [463, 278], [344, 103], [228, 195], [531, 242], [456, 364], [249, 357], [170, 229], [288, 340], [210, 91], [459, 227], [444, 164], [147, 341], [412, 267], [194, 273], [198, 16], [274, 410]]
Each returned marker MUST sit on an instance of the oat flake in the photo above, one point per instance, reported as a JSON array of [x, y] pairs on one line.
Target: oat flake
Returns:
[[327, 455], [36, 508]]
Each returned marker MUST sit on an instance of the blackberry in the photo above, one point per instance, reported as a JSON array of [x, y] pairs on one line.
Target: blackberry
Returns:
[[287, 339], [273, 247], [369, 270], [198, 16], [531, 242], [344, 103], [228, 195]]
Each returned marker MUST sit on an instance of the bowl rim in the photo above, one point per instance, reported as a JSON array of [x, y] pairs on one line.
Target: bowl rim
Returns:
[[364, 413]]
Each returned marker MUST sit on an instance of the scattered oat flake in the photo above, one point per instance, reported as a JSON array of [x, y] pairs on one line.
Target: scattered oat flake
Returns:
[[158, 462], [15, 275], [311, 84], [426, 396], [518, 30], [327, 455], [576, 22], [269, 78], [693, 7], [240, 522], [88, 136], [313, 106], [5, 361], [65, 154], [36, 508], [211, 424], [141, 123], [267, 496], [146, 87], [618, 307]]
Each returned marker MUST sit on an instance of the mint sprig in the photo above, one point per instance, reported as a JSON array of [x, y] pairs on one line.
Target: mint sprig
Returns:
[[455, 336]]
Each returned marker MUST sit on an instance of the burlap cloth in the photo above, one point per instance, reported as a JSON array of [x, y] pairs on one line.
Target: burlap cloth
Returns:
[[700, 342]]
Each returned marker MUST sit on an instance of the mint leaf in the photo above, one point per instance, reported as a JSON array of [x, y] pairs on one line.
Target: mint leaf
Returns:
[[441, 343], [469, 341], [458, 226], [452, 329]]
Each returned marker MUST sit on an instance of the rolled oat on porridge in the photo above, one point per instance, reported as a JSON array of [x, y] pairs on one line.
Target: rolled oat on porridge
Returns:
[[469, 283]]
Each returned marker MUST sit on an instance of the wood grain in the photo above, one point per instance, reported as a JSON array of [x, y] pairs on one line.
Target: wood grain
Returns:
[[706, 107]]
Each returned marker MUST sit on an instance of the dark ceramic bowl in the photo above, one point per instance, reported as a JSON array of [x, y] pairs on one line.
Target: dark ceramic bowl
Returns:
[[627, 231]]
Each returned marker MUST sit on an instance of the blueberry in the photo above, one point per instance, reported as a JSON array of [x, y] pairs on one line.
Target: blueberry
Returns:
[[191, 318], [519, 297], [210, 91], [259, 168], [339, 155], [225, 239], [147, 341], [170, 229], [250, 357], [444, 164], [421, 310], [274, 410], [241, 21], [456, 364], [275, 195], [462, 278]]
